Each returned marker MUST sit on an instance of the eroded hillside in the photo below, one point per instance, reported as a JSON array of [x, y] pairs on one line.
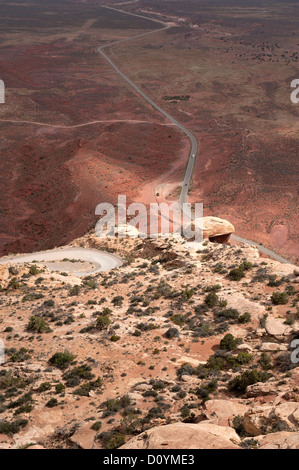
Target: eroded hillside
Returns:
[[175, 336]]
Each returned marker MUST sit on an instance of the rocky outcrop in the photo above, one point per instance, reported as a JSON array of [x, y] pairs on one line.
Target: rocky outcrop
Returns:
[[277, 327], [4, 275], [216, 229], [267, 418], [204, 435], [222, 412]]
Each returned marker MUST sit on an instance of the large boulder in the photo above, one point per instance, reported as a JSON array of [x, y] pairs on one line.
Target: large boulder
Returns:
[[204, 435], [222, 412], [277, 327], [217, 229], [214, 228], [269, 388], [279, 440], [83, 438]]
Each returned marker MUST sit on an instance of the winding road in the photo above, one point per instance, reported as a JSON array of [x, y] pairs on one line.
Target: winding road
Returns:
[[65, 259], [193, 141]]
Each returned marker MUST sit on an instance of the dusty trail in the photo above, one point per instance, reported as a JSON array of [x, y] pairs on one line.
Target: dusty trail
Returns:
[[106, 121]]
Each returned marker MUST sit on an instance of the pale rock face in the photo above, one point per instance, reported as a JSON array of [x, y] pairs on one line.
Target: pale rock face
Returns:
[[204, 435], [57, 279], [222, 412], [282, 269], [279, 440], [4, 275], [261, 389], [215, 227], [35, 446], [128, 230], [264, 418], [272, 347], [84, 437], [245, 347], [296, 271], [276, 327], [44, 425], [239, 302], [143, 387], [134, 396]]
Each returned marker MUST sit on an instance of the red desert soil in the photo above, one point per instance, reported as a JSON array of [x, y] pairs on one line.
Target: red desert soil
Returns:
[[53, 199], [235, 70]]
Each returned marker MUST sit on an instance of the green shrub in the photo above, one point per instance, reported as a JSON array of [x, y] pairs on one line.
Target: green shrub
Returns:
[[59, 388], [113, 405], [246, 266], [187, 293], [74, 290], [117, 300], [204, 390], [244, 318], [185, 369], [279, 298], [12, 427], [211, 299], [75, 375], [14, 284], [228, 313], [236, 274], [102, 322], [34, 270], [265, 361], [52, 402], [38, 325], [239, 383], [172, 333], [30, 297], [113, 439], [96, 426], [62, 359], [238, 425], [44, 387], [178, 319], [114, 338], [18, 356]]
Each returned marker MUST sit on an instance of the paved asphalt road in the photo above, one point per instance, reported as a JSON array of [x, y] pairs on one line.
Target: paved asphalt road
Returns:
[[193, 141], [99, 260]]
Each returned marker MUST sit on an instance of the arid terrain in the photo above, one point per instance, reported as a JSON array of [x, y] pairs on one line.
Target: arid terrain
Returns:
[[182, 345], [224, 71], [196, 338]]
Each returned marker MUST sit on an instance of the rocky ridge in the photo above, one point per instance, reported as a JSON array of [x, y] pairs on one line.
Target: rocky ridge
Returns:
[[183, 339]]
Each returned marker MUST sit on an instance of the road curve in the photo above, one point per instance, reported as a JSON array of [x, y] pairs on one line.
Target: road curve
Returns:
[[193, 141], [99, 260]]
